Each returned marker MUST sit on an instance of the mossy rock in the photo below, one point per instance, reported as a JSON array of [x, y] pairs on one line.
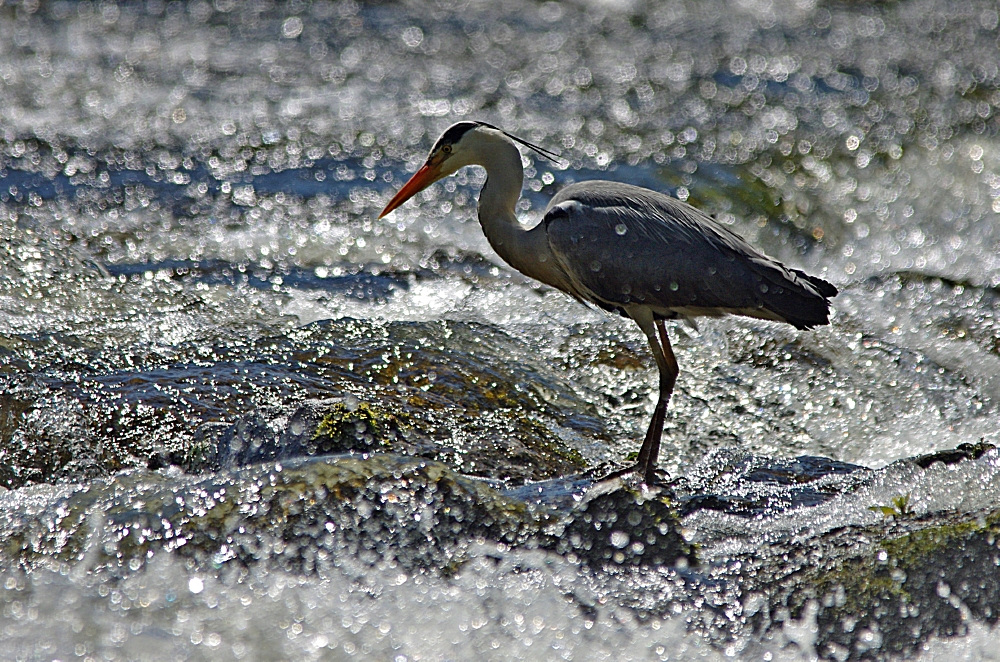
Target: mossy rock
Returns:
[[306, 516], [465, 394], [342, 424], [886, 602], [625, 527], [317, 514], [504, 444]]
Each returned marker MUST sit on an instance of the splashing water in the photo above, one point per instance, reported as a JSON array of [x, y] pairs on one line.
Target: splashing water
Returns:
[[240, 417]]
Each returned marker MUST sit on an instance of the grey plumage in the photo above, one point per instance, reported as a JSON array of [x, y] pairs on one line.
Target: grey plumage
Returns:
[[621, 244], [643, 254]]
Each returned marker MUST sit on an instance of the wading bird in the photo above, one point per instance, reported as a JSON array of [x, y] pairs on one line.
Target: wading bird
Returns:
[[626, 249]]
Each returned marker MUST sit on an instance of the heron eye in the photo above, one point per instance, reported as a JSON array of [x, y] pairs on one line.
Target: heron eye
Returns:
[[446, 149]]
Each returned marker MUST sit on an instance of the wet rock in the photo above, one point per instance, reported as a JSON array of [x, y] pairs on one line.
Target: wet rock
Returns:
[[18, 464], [311, 515], [855, 592], [625, 527], [902, 590], [306, 516], [252, 439], [744, 484], [464, 394], [501, 445], [952, 456], [433, 390], [317, 427]]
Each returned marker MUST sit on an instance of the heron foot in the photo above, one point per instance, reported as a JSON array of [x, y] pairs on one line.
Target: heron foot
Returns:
[[648, 475]]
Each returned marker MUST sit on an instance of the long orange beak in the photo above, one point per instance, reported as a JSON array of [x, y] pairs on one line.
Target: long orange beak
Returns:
[[420, 180]]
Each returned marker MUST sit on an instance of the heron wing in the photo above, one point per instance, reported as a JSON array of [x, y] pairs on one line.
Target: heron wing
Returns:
[[624, 245]]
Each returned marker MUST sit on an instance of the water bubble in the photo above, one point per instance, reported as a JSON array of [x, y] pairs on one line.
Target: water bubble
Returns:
[[145, 233], [292, 27], [413, 36], [551, 12]]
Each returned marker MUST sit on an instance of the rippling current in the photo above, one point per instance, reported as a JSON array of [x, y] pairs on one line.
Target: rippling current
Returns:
[[241, 418]]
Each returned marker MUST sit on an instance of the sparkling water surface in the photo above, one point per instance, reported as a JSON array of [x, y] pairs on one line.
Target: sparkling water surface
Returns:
[[242, 418]]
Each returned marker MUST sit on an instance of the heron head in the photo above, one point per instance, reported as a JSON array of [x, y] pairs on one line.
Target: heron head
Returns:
[[461, 144], [449, 155]]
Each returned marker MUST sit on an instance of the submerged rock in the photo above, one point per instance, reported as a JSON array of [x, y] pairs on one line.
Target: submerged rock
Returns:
[[432, 390], [740, 483], [315, 514], [951, 456], [508, 445], [900, 590], [464, 394], [625, 527], [824, 572], [865, 592], [306, 516]]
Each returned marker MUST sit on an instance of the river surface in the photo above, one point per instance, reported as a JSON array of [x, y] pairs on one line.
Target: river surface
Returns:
[[242, 418]]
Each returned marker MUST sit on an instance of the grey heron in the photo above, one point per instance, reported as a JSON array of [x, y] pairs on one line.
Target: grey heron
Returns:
[[626, 249]]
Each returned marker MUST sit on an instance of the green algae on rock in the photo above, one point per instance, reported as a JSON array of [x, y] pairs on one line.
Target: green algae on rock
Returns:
[[311, 515], [502, 445], [438, 390], [625, 527], [432, 390], [307, 515], [367, 420], [878, 593]]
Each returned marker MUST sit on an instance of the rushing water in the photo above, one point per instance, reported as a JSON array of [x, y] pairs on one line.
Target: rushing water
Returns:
[[240, 418]]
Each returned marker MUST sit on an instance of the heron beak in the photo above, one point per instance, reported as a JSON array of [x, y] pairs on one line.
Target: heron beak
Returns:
[[420, 180]]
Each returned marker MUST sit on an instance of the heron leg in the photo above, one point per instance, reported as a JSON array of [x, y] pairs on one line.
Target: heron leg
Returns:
[[666, 362]]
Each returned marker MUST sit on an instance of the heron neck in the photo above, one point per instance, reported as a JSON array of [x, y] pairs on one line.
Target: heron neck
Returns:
[[525, 250]]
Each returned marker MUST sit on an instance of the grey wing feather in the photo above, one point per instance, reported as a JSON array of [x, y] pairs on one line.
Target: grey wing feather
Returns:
[[622, 245]]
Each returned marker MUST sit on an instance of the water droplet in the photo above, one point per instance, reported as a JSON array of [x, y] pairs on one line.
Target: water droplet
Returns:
[[674, 286], [292, 27], [413, 36], [595, 266], [621, 229]]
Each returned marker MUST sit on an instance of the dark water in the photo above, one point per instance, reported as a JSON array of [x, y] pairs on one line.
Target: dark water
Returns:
[[242, 418]]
